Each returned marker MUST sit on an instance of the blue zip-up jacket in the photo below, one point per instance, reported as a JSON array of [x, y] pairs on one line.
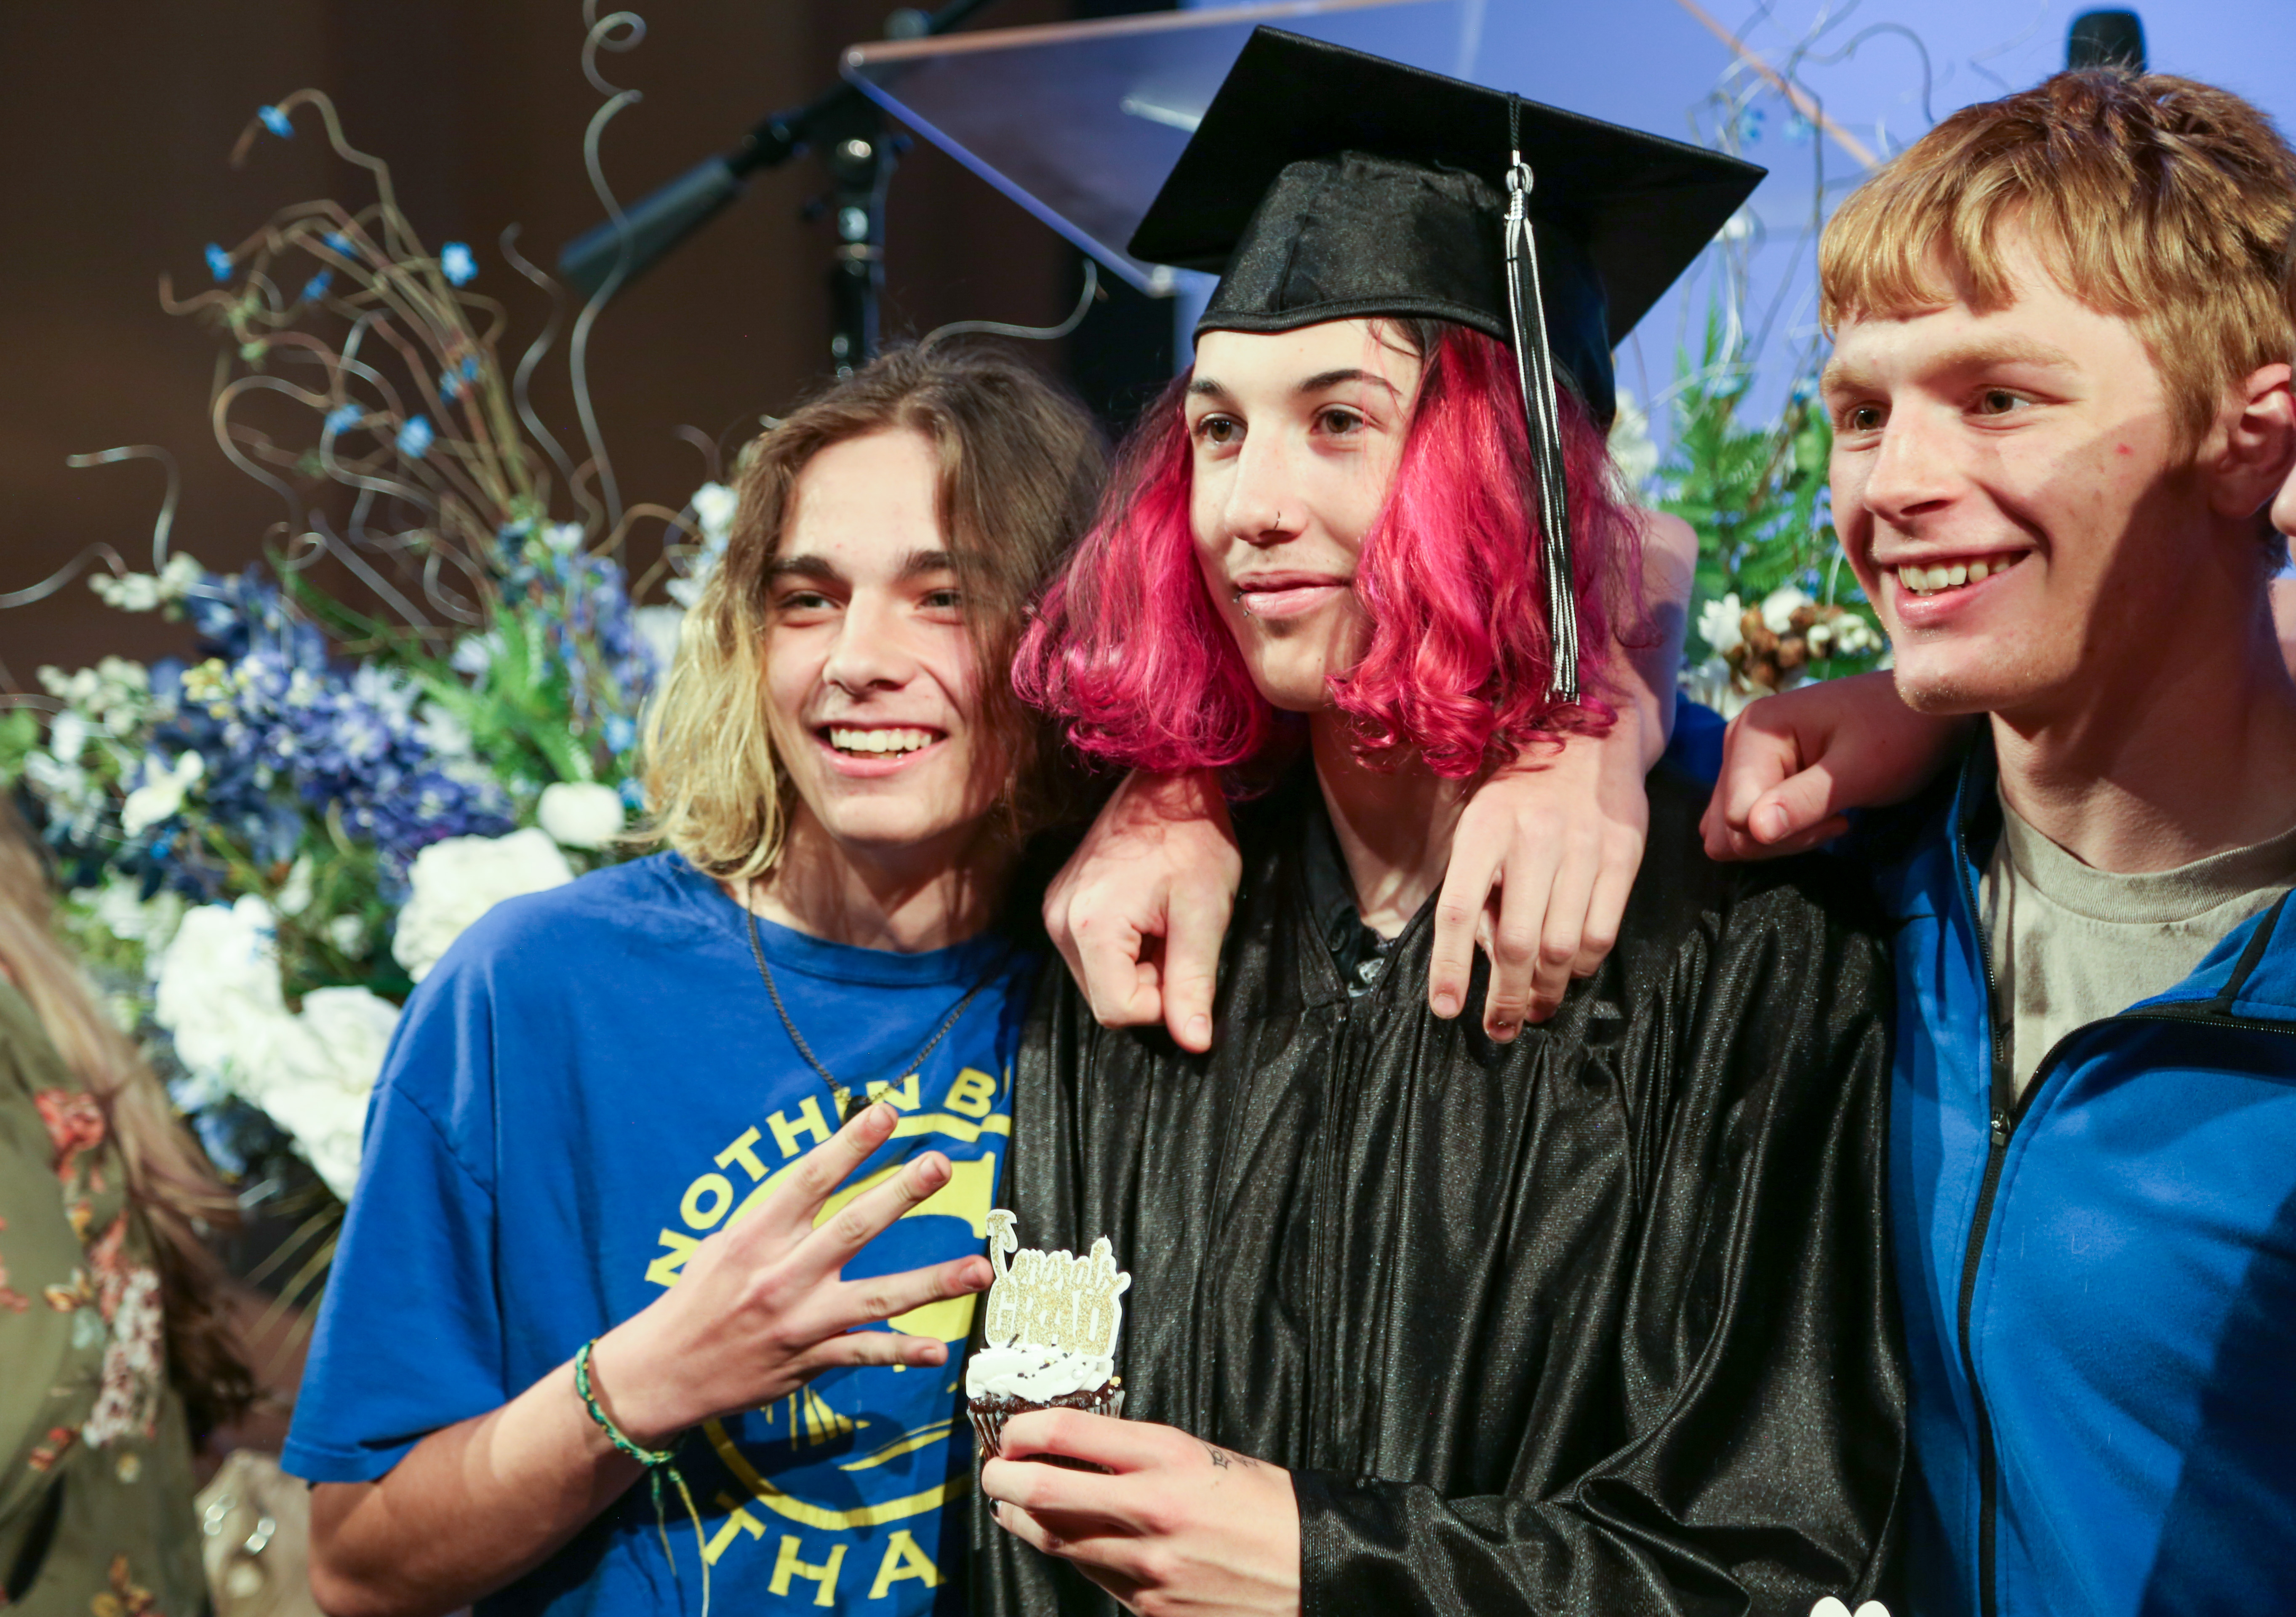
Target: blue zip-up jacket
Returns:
[[2098, 1280]]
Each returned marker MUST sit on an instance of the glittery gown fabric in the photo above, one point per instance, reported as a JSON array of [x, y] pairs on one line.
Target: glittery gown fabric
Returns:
[[1600, 1322]]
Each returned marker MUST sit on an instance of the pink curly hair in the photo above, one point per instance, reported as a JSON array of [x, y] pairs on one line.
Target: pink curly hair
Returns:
[[1130, 655]]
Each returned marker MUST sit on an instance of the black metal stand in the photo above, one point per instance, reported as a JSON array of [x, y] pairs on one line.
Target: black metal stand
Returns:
[[840, 124], [859, 156]]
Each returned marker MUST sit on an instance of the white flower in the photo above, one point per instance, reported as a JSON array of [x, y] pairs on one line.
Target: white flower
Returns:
[[348, 934], [295, 892], [458, 880], [580, 814], [714, 504], [659, 626], [1721, 624], [143, 592], [68, 734], [219, 996], [473, 655], [218, 987], [119, 671], [1631, 448], [1853, 635], [1711, 682], [121, 910], [134, 592], [1779, 607], [327, 1065], [162, 794], [446, 735]]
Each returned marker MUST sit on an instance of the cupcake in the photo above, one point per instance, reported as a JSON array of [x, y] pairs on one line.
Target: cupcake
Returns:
[[1050, 1336]]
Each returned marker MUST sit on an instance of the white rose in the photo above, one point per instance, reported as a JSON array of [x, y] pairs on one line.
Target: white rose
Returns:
[[1720, 624], [219, 990], [1779, 607], [458, 880], [580, 814], [319, 1093]]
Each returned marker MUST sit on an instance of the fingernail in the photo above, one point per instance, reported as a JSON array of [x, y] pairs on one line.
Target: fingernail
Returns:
[[1770, 823], [1199, 1028], [1446, 1003]]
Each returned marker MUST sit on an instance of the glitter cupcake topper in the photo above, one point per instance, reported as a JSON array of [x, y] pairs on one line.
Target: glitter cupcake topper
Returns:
[[1053, 1300]]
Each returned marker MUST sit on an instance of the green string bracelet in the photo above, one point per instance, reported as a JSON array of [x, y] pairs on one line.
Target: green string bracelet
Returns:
[[656, 1462]]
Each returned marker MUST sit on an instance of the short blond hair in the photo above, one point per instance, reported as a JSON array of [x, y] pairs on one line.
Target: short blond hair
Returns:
[[2164, 201], [1022, 465]]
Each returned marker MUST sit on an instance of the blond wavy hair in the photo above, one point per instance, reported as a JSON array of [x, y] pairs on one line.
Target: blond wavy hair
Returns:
[[2162, 200], [171, 1187], [1021, 466]]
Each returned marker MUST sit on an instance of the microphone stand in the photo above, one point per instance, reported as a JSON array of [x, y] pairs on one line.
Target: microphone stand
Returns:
[[848, 130]]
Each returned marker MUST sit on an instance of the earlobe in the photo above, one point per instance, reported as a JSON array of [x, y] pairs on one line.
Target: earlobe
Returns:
[[2260, 446]]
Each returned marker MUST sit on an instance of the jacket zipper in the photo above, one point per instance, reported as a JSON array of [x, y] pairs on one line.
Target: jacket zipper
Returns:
[[2003, 1120], [1319, 1353], [2007, 1109]]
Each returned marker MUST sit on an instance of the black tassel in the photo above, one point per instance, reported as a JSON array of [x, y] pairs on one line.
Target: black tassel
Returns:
[[1535, 369]]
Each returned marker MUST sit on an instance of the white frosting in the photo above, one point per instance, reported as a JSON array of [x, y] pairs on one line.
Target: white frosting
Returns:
[[1037, 1374]]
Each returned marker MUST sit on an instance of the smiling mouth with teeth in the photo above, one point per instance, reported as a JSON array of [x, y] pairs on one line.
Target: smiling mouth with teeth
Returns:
[[877, 742], [1932, 580]]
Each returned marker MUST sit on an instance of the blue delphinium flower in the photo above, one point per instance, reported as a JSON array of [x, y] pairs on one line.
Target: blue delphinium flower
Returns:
[[621, 733], [415, 438], [583, 603], [338, 242], [276, 121], [343, 417], [219, 264], [316, 288], [290, 738], [457, 264]]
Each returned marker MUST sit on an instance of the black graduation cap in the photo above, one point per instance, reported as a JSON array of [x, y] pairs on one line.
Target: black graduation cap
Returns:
[[1327, 184]]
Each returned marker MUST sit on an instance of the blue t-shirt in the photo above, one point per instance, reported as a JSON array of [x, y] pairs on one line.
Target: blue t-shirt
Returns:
[[591, 1082]]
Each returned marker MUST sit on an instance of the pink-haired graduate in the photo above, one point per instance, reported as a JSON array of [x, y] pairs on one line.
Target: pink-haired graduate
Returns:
[[1595, 1317]]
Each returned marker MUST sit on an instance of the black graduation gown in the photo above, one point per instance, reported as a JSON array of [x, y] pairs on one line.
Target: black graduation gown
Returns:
[[1599, 1322]]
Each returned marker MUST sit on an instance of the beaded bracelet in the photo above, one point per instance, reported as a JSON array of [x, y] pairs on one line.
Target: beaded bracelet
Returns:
[[656, 1462]]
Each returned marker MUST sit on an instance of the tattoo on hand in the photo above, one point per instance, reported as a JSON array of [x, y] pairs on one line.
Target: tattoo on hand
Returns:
[[1222, 1458]]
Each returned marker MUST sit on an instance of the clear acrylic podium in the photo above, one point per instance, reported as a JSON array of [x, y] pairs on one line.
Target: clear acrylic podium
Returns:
[[1079, 122]]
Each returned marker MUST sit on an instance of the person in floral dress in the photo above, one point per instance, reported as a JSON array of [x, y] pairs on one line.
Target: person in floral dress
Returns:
[[113, 1353]]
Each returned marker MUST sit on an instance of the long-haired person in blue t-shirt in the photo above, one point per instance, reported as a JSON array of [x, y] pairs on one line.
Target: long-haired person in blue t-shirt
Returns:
[[607, 1204]]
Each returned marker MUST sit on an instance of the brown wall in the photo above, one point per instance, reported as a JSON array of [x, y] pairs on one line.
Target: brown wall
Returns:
[[119, 120]]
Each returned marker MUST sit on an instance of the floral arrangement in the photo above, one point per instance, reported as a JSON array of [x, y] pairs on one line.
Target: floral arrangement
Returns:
[[268, 843], [1771, 604]]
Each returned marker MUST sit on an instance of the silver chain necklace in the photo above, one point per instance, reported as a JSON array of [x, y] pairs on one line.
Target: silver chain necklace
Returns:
[[840, 1095]]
